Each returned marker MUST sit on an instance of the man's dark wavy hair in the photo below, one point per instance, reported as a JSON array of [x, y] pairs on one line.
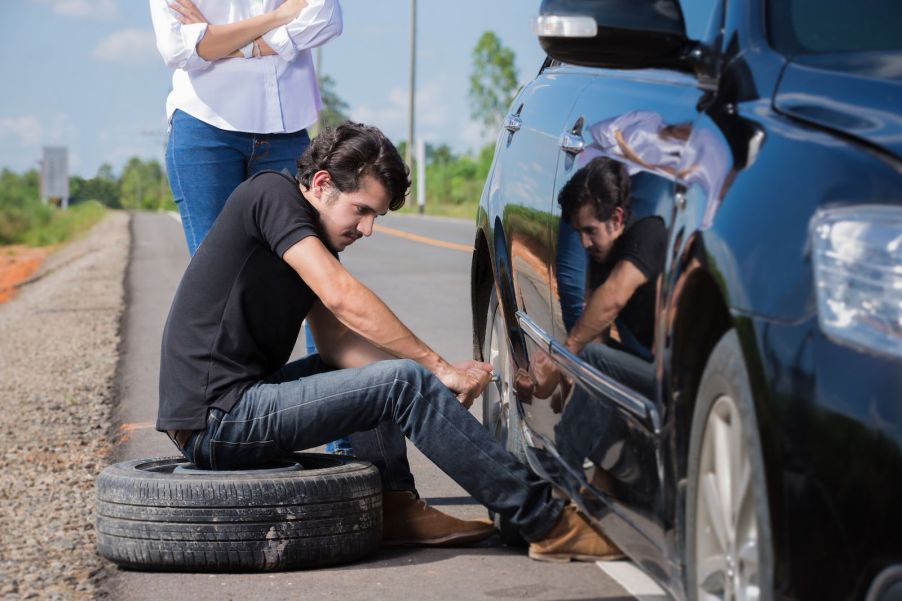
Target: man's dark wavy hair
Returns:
[[351, 151], [603, 183]]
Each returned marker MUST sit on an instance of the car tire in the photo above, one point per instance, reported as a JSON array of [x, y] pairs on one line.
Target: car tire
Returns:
[[727, 549], [499, 414], [314, 511]]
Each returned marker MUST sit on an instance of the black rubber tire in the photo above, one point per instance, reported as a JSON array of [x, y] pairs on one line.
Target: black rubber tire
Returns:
[[725, 374], [507, 434], [150, 517]]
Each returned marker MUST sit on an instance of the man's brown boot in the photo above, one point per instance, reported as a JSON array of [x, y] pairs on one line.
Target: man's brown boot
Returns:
[[408, 521], [572, 537]]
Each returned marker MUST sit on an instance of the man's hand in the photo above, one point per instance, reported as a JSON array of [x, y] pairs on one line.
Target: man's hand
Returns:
[[545, 374], [466, 379]]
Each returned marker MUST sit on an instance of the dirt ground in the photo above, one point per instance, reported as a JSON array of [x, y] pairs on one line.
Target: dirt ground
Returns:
[[17, 264]]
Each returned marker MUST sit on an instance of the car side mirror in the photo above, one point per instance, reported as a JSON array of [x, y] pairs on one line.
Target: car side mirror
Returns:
[[625, 34]]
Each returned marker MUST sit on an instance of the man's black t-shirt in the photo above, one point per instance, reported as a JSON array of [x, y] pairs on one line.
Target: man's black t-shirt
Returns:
[[644, 244], [238, 310]]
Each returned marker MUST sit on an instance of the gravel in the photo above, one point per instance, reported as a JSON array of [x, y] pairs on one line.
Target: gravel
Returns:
[[59, 342]]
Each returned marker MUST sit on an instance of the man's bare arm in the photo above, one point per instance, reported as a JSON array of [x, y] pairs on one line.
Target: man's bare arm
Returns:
[[604, 304], [355, 305], [338, 345], [361, 311]]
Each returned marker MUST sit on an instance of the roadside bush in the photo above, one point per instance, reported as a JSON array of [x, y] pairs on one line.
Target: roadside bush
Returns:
[[453, 182], [20, 209], [64, 224], [24, 219]]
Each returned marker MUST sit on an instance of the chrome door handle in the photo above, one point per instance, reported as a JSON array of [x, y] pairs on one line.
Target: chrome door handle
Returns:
[[572, 143], [513, 123]]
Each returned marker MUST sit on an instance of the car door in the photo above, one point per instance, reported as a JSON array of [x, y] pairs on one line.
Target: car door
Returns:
[[520, 199], [603, 424]]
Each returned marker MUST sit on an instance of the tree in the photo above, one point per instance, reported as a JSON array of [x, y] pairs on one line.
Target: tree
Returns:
[[439, 155], [143, 185], [334, 111], [105, 171], [493, 81], [103, 188]]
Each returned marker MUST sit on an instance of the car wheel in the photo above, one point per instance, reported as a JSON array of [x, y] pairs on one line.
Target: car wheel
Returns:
[[729, 551], [499, 414], [161, 514]]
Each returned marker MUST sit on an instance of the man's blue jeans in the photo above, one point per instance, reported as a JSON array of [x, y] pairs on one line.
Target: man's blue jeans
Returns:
[[306, 404]]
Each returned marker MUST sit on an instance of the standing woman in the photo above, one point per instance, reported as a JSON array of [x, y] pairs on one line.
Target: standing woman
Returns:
[[243, 93]]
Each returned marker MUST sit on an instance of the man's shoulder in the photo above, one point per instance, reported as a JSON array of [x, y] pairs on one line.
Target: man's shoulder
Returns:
[[272, 180], [651, 225], [270, 189]]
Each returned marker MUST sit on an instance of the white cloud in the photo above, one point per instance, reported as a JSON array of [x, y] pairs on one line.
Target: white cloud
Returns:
[[30, 130], [474, 135], [95, 10], [433, 121], [26, 130], [127, 46]]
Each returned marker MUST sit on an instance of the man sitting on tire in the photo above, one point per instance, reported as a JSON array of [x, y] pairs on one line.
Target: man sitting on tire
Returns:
[[229, 400]]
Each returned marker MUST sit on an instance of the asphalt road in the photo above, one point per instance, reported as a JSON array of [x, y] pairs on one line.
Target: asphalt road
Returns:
[[427, 285]]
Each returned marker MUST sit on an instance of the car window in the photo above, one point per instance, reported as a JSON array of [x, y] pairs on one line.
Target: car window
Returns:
[[822, 26], [702, 18]]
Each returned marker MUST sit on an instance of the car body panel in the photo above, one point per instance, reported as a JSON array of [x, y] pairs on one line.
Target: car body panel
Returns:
[[764, 147], [856, 94]]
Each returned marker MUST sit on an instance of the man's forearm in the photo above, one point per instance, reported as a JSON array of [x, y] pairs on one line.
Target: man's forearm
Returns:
[[588, 327], [604, 304], [364, 313], [356, 306]]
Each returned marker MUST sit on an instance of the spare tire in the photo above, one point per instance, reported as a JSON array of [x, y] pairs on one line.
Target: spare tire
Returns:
[[314, 511]]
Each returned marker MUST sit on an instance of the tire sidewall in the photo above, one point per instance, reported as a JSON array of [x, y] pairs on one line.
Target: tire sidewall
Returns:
[[725, 374], [149, 517]]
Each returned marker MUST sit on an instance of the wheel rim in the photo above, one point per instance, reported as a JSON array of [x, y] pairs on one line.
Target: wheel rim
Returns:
[[498, 393], [726, 532]]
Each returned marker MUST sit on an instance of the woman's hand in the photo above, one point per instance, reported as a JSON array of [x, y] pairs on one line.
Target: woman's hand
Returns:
[[188, 14], [265, 49], [289, 10]]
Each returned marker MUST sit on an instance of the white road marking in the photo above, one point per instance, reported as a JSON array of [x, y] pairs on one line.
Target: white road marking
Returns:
[[174, 215], [634, 580]]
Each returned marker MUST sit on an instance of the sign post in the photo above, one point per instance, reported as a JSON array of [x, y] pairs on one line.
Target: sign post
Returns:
[[55, 176], [421, 176]]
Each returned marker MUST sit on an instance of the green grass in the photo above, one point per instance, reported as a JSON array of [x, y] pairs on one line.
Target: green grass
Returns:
[[54, 226]]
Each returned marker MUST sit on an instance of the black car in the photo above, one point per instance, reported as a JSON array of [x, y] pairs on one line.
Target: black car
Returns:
[[739, 433]]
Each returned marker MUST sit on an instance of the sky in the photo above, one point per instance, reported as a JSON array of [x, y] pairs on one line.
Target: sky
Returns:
[[86, 74]]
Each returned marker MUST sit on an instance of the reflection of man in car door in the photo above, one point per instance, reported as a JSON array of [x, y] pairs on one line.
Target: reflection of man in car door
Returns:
[[625, 259], [615, 331]]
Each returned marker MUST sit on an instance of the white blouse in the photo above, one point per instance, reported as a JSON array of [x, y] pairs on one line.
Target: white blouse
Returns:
[[269, 94]]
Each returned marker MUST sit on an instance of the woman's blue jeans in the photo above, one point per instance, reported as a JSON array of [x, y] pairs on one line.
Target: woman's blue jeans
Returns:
[[205, 164], [306, 404]]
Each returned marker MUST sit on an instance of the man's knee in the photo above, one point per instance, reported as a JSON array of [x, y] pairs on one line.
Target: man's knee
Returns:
[[410, 370]]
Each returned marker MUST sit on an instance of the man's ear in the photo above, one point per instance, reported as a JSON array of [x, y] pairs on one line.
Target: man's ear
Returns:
[[617, 217], [320, 183]]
